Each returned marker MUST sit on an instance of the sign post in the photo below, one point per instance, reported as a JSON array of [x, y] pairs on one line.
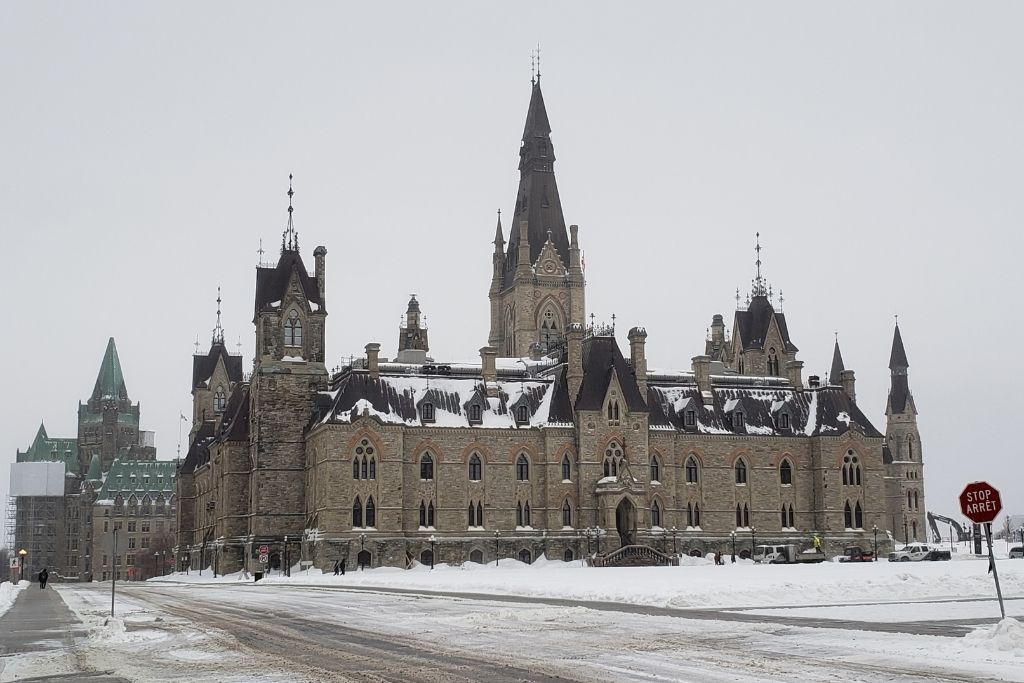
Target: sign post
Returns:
[[980, 503]]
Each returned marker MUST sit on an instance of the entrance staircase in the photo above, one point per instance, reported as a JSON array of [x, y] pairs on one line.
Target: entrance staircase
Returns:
[[635, 556]]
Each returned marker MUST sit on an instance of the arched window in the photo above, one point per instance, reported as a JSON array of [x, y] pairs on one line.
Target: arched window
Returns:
[[689, 515], [427, 412], [773, 362], [519, 514], [696, 514], [910, 504], [355, 468], [523, 514], [426, 467], [655, 469], [692, 476], [856, 471], [371, 512], [427, 557], [613, 412], [522, 414], [373, 468], [219, 399], [522, 468], [525, 557], [472, 515], [566, 513], [293, 330], [746, 515], [475, 467], [567, 556], [858, 516], [848, 515], [785, 473], [916, 506], [430, 514], [655, 514], [612, 459], [477, 557], [365, 468], [357, 513], [479, 514], [741, 471], [846, 476], [549, 334], [785, 517], [792, 522], [423, 513], [475, 413], [566, 468], [739, 515], [910, 448]]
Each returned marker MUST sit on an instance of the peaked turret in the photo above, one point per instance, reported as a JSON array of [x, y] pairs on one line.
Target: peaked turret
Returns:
[[537, 201], [835, 375], [900, 399], [110, 381], [95, 472], [898, 357]]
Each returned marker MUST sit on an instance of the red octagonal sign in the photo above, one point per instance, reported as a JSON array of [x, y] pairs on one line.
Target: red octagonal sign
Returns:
[[980, 502]]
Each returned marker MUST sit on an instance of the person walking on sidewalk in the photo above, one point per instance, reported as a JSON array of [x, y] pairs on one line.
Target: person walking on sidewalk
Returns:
[[43, 576]]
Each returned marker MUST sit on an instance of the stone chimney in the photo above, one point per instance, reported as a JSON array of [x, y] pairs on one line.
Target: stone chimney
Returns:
[[488, 354], [702, 372], [320, 256], [524, 267], [372, 354], [847, 380], [574, 370], [794, 373], [717, 330], [637, 338], [575, 259]]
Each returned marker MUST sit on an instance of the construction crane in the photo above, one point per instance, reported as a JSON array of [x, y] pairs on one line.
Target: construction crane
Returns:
[[962, 532]]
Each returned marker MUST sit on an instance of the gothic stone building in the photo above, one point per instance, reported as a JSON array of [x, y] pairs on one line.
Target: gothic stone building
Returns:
[[71, 534], [556, 442]]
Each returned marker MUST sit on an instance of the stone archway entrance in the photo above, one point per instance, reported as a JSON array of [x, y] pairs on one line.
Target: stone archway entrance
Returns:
[[625, 522]]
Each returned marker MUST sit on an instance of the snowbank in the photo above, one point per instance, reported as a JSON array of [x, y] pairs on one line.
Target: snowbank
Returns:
[[9, 593], [698, 583], [1006, 636]]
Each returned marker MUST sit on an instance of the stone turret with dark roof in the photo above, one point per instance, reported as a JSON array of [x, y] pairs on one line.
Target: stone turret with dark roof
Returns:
[[835, 375], [903, 451]]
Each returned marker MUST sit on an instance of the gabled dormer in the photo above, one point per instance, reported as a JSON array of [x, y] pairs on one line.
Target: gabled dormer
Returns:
[[782, 416], [737, 411], [521, 412], [688, 412]]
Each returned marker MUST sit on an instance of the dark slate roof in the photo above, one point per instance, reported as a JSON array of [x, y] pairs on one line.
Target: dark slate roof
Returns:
[[203, 366], [234, 424], [754, 322], [886, 455], [537, 200], [271, 283], [397, 399], [198, 451], [600, 356], [898, 357], [835, 374], [813, 412], [899, 393]]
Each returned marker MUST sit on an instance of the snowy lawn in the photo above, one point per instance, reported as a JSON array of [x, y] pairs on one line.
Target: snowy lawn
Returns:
[[698, 584], [9, 593]]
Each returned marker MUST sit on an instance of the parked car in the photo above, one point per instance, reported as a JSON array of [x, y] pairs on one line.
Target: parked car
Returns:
[[1017, 552], [918, 552], [854, 553]]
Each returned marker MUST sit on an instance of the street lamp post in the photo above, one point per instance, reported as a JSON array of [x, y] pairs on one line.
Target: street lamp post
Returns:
[[951, 537], [675, 551], [497, 536], [597, 532], [874, 530], [732, 534], [202, 556], [287, 564], [156, 563], [21, 559], [753, 546], [433, 540], [906, 534], [362, 543]]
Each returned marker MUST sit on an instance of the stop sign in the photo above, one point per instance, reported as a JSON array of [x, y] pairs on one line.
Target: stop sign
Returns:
[[980, 502]]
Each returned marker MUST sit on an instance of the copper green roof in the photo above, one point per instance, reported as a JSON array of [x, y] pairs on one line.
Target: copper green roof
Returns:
[[139, 478], [110, 381], [45, 449], [95, 469]]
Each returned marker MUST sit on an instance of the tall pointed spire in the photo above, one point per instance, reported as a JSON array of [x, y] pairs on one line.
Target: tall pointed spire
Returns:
[[110, 380], [537, 199], [835, 374], [218, 331], [898, 356], [499, 236], [290, 238]]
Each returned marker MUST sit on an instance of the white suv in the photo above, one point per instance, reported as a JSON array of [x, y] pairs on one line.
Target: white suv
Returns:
[[1017, 552], [917, 552]]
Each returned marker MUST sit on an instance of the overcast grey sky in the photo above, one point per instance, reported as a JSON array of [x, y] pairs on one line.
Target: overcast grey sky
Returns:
[[876, 147]]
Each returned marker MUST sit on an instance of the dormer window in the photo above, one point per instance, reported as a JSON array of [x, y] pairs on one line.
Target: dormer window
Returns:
[[293, 330], [219, 400], [737, 419], [522, 415], [691, 418], [427, 412], [475, 414], [784, 421]]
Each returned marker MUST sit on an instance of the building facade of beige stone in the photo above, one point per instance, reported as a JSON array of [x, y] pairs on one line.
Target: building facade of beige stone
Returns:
[[557, 443]]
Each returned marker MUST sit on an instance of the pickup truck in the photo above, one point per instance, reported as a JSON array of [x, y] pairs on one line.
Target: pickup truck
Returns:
[[919, 552], [786, 554], [854, 553]]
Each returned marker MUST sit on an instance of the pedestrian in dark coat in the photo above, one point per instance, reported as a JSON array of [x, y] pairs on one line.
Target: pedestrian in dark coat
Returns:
[[336, 564], [43, 576], [343, 567]]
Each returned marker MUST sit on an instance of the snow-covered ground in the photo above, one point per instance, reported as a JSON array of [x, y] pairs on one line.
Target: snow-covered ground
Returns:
[[9, 593], [697, 584]]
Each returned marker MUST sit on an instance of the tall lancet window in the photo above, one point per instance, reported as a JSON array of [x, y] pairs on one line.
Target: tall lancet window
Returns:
[[549, 332], [293, 330], [219, 399]]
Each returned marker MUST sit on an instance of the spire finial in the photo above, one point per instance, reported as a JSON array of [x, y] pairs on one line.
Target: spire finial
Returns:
[[290, 238], [197, 344], [218, 331], [538, 63], [533, 67], [781, 299], [737, 298], [758, 288]]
